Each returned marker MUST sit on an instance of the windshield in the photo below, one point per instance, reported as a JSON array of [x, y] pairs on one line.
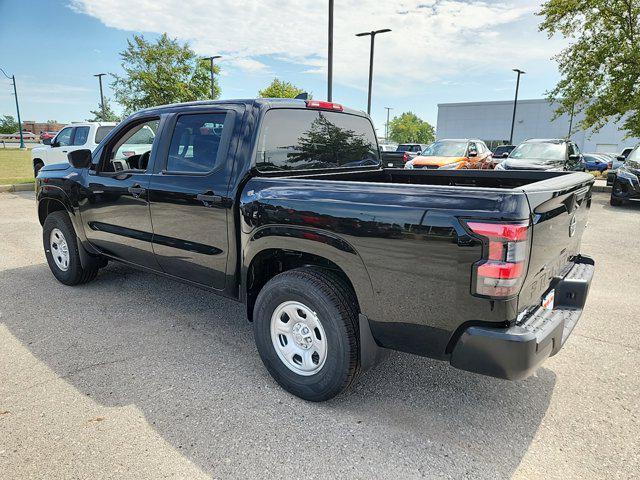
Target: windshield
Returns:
[[445, 149], [542, 151], [633, 160]]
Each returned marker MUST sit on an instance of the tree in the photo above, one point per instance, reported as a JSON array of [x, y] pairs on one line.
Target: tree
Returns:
[[600, 69], [408, 127], [8, 124], [108, 115], [161, 72], [280, 89]]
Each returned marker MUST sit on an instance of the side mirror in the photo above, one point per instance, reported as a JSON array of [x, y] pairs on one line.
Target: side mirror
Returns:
[[505, 155], [80, 158], [46, 141], [621, 158], [574, 157], [472, 153]]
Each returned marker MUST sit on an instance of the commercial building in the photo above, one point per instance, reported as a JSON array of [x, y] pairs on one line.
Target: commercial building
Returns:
[[491, 122]]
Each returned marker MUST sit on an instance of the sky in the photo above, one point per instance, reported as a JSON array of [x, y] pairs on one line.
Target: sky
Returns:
[[438, 51]]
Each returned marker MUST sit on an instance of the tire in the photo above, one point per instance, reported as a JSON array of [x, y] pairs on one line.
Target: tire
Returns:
[[36, 167], [325, 305], [615, 202], [59, 236]]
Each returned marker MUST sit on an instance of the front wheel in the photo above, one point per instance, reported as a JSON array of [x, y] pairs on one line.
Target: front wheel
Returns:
[[305, 328], [61, 250]]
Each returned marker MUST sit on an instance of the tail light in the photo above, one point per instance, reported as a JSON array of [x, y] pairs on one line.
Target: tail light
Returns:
[[405, 157], [501, 271], [609, 165], [324, 105]]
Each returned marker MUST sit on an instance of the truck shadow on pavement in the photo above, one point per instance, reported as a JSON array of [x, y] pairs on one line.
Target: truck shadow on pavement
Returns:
[[187, 360]]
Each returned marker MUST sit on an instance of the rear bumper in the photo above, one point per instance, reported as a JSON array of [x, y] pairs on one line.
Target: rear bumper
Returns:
[[516, 352]]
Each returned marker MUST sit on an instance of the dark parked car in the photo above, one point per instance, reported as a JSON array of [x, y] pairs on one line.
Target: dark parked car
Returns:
[[502, 151], [255, 200], [626, 183], [544, 154], [404, 152], [617, 163], [596, 162]]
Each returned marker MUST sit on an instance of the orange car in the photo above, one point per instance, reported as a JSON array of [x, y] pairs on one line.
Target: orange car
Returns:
[[453, 155]]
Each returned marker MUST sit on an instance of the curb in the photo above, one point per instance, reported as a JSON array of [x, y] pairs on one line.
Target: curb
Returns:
[[18, 187], [601, 188]]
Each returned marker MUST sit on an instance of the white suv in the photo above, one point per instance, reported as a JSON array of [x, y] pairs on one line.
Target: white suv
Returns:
[[72, 137]]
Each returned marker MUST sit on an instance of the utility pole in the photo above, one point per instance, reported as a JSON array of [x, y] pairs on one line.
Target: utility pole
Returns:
[[386, 128], [15, 93], [515, 103], [373, 34], [100, 75], [330, 55], [211, 59]]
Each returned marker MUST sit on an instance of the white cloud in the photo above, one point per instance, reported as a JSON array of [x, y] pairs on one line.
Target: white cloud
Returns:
[[432, 40]]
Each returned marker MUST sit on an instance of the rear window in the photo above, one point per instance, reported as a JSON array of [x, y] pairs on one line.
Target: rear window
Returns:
[[102, 132], [310, 139]]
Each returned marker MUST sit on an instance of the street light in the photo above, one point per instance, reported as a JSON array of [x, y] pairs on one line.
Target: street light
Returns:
[[330, 55], [373, 34], [15, 93], [386, 127], [211, 59], [100, 75], [515, 103]]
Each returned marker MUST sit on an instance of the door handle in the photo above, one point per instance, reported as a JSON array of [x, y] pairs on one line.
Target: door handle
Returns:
[[64, 151], [208, 198], [136, 190]]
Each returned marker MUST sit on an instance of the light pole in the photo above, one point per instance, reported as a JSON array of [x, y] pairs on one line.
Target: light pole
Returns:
[[373, 34], [100, 75], [15, 93], [515, 103], [386, 127], [211, 59], [330, 55]]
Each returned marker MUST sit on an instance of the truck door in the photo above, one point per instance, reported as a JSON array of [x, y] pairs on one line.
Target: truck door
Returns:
[[116, 214], [188, 196], [60, 146]]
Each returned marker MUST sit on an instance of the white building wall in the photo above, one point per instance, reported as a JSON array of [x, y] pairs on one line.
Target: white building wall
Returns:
[[492, 121]]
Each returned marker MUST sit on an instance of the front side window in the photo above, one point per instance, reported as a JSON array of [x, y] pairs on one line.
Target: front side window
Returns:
[[197, 142], [133, 149], [64, 137], [293, 139], [81, 135]]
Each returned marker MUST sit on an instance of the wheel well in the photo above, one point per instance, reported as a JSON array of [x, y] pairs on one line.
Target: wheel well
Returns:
[[37, 160], [269, 263], [48, 206]]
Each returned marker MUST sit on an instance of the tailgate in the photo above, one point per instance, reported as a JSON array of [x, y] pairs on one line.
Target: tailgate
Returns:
[[560, 209]]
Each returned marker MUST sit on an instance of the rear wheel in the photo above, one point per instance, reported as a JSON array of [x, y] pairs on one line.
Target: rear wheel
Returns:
[[61, 250], [305, 327]]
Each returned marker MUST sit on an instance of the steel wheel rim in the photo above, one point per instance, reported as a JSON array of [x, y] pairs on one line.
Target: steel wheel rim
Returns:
[[59, 249], [298, 338]]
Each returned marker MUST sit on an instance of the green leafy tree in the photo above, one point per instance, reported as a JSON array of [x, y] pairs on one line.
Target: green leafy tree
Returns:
[[600, 69], [106, 115], [280, 89], [161, 72], [408, 127], [8, 124]]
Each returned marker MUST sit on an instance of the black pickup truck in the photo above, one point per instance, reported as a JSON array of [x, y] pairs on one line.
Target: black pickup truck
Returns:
[[283, 205]]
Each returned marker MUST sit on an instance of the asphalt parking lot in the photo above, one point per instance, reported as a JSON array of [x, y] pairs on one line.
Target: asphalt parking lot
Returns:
[[136, 376]]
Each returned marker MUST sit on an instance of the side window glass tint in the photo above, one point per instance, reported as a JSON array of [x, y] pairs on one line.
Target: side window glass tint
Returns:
[[197, 142], [80, 138], [133, 149]]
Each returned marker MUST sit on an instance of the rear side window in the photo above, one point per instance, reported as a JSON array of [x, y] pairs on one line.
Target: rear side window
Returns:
[[293, 139], [102, 132], [80, 138], [199, 142]]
